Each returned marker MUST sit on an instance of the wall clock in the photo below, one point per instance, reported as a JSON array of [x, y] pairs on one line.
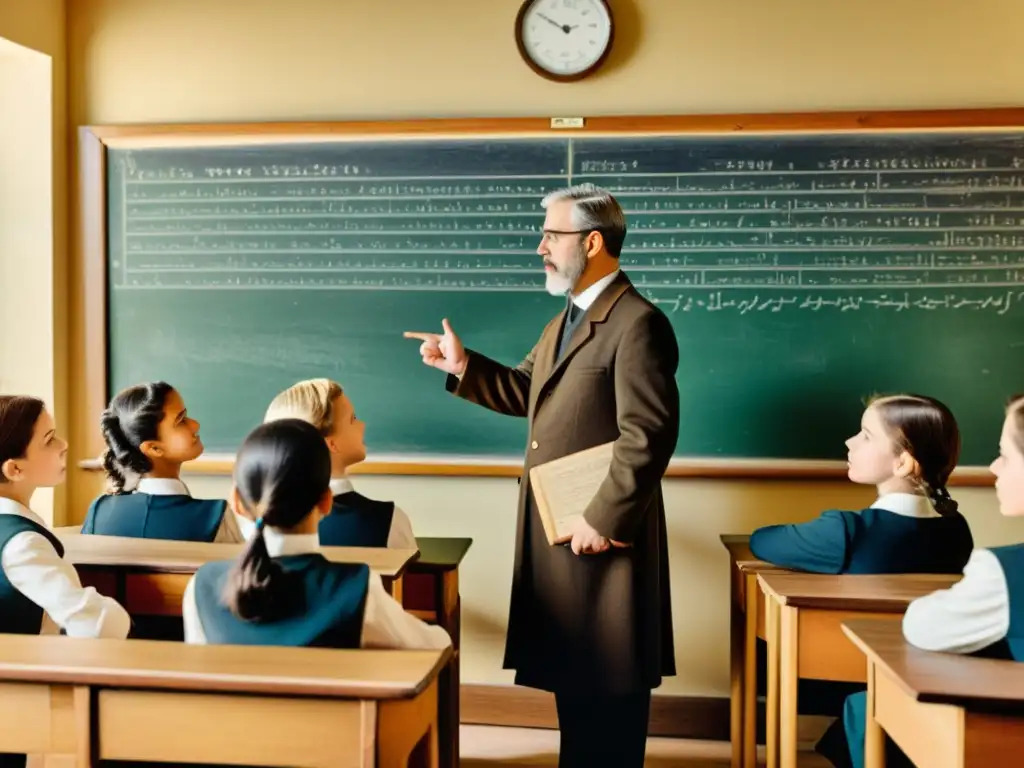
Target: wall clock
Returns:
[[564, 40]]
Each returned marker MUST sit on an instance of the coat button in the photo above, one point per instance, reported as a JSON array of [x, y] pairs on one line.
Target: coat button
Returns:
[[534, 445]]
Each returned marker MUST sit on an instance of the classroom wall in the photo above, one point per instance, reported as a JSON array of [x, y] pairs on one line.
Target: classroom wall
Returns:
[[139, 61], [33, 209]]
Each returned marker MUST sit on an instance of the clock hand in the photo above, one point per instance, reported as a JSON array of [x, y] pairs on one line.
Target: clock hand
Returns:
[[552, 22]]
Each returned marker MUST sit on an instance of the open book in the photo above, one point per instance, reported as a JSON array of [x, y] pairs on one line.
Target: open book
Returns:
[[564, 487]]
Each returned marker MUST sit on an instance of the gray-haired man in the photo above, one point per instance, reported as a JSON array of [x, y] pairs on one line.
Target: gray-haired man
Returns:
[[590, 622]]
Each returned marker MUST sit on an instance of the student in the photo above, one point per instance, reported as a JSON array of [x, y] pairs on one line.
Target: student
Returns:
[[282, 591], [983, 613], [35, 580], [907, 447], [355, 520], [149, 435]]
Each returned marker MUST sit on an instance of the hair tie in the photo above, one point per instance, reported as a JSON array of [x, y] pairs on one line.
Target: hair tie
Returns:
[[259, 524]]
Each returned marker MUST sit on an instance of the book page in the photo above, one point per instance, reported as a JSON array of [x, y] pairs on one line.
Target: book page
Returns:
[[564, 487]]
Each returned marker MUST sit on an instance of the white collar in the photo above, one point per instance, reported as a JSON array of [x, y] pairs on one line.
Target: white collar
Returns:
[[162, 486], [11, 507], [341, 485], [906, 504], [283, 544], [589, 296]]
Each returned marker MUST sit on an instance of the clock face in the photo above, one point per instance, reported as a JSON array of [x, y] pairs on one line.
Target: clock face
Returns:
[[565, 38]]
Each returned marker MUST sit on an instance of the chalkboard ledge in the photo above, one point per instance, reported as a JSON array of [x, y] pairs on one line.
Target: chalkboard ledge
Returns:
[[511, 466]]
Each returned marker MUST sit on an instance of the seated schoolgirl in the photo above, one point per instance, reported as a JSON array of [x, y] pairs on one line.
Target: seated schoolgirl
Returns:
[[36, 583], [983, 613], [282, 591], [355, 520], [149, 435], [907, 447]]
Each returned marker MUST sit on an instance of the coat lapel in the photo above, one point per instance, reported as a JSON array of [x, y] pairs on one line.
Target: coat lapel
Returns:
[[550, 371]]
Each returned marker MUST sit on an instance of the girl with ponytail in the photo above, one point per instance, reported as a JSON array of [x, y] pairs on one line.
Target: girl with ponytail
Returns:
[[149, 435], [982, 614], [907, 447], [282, 591]]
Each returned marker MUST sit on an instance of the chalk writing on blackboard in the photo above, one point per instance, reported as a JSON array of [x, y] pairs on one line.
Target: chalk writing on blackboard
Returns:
[[761, 234]]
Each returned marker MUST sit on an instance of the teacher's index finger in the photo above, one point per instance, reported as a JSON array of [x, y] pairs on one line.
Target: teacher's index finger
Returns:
[[421, 335]]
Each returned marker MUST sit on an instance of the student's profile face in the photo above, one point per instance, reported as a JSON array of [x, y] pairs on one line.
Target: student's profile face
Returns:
[[178, 433], [347, 438], [563, 250], [872, 456], [45, 459], [1009, 470]]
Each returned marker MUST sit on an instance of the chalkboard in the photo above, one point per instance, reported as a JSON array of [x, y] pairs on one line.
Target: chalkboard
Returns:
[[801, 273]]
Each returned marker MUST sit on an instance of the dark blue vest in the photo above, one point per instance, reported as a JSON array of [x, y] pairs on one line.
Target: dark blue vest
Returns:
[[1012, 561], [356, 521], [145, 516], [871, 541], [18, 614], [327, 607]]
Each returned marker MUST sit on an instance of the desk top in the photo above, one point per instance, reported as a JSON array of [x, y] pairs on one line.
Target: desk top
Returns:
[[187, 556], [944, 678], [440, 553], [738, 545], [888, 592], [371, 674]]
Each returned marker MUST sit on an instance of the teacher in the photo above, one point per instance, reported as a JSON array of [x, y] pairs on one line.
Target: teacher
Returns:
[[590, 622]]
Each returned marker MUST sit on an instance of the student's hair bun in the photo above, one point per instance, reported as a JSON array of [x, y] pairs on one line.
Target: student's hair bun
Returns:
[[131, 419]]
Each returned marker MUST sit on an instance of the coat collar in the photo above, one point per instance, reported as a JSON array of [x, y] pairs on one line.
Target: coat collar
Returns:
[[546, 369]]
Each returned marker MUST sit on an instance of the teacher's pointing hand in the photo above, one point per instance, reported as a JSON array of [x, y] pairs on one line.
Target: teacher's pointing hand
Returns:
[[443, 351]]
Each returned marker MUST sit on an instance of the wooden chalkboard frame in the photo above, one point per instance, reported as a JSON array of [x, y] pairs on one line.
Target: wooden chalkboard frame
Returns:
[[88, 285]]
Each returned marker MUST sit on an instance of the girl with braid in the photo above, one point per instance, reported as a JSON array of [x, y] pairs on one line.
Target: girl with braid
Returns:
[[149, 435]]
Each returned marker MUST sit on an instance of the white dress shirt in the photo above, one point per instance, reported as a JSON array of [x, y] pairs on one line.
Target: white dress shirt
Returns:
[[228, 532], [385, 623], [906, 504], [35, 569], [972, 614], [400, 536], [589, 296]]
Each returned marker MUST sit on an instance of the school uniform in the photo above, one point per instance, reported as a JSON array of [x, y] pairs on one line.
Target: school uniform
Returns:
[[981, 615], [162, 508], [40, 592], [343, 605], [357, 521], [898, 533]]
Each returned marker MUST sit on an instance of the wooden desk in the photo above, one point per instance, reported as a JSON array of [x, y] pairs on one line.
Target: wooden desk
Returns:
[[431, 591], [943, 710], [803, 628], [148, 576], [746, 624], [83, 700]]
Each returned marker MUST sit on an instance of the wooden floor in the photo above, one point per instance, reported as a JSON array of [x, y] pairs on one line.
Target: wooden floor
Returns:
[[489, 747]]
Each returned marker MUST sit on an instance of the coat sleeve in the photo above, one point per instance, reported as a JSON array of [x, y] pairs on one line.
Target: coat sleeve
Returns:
[[817, 546], [647, 412], [495, 386]]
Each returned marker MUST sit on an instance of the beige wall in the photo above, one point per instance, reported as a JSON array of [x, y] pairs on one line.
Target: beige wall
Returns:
[[138, 61], [33, 208]]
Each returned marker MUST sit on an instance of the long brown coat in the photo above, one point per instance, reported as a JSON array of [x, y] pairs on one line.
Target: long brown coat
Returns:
[[604, 621]]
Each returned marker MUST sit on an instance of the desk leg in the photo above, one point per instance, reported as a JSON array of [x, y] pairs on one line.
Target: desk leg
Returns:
[[449, 616], [874, 736], [748, 691], [771, 705], [788, 679], [737, 668]]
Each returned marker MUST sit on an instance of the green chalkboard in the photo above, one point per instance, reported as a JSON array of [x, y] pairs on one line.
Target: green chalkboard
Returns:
[[801, 273]]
